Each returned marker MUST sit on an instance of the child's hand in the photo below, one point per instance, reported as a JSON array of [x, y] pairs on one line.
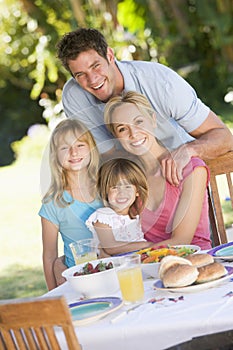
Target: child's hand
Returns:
[[58, 268], [102, 254]]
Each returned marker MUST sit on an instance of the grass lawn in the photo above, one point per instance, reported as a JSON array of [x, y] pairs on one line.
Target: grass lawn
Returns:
[[21, 271]]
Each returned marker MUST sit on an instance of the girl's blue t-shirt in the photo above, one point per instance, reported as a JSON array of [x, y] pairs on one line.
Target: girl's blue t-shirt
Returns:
[[70, 221]]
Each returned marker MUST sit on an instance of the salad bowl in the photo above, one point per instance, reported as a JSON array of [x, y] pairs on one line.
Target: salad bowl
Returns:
[[150, 258]]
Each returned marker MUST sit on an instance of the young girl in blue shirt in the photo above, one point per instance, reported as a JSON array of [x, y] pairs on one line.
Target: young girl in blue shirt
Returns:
[[72, 196]]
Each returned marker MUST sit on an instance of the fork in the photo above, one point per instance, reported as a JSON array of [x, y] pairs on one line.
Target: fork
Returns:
[[125, 312]]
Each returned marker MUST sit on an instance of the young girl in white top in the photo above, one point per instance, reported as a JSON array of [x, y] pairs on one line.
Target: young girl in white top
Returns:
[[122, 185]]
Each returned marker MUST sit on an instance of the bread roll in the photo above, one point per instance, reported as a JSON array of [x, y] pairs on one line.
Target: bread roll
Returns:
[[169, 261], [211, 272], [180, 275], [199, 260]]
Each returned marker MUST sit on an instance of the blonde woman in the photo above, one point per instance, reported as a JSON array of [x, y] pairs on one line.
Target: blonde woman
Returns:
[[122, 185], [173, 214], [71, 197]]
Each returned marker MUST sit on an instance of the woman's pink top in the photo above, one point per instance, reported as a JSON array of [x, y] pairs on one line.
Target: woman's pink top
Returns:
[[157, 225]]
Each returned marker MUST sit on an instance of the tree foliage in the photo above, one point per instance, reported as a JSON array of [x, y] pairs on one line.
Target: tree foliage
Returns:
[[194, 37]]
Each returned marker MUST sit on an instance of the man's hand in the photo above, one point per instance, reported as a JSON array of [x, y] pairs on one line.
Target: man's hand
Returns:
[[212, 139], [173, 163]]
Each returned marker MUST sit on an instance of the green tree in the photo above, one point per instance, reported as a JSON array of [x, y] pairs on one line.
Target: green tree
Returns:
[[194, 37], [28, 64]]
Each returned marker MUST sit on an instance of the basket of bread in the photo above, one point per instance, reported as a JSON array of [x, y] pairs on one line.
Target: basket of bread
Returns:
[[196, 269]]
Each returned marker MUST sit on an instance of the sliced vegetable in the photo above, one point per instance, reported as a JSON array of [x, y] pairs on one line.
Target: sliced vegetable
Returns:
[[152, 255]]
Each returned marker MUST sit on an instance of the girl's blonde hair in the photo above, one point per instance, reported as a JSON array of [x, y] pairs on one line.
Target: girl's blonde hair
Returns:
[[139, 100], [59, 180], [111, 172]]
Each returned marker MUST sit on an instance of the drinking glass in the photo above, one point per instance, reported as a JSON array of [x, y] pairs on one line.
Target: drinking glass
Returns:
[[84, 250], [129, 275]]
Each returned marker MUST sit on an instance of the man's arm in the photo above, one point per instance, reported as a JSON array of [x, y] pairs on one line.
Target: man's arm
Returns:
[[213, 139]]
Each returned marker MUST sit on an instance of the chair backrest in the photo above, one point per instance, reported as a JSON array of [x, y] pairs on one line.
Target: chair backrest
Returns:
[[30, 324], [222, 165]]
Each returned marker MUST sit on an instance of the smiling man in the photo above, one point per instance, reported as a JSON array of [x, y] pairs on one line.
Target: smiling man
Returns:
[[185, 125]]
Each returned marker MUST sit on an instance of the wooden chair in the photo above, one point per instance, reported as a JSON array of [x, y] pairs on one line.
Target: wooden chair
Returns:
[[28, 324], [219, 166]]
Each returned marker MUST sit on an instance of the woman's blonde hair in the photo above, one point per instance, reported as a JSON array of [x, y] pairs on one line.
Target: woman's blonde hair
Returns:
[[139, 100], [110, 174], [59, 180]]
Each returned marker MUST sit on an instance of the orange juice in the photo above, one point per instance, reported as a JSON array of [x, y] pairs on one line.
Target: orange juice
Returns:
[[131, 284]]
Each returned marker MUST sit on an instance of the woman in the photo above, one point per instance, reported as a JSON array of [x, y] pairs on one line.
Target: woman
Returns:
[[173, 214]]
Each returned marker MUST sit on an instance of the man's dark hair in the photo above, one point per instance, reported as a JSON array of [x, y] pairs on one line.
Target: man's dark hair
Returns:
[[80, 40]]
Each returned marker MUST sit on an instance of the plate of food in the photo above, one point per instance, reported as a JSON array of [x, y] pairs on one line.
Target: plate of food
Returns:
[[223, 251], [151, 257], [191, 274], [90, 310], [195, 287]]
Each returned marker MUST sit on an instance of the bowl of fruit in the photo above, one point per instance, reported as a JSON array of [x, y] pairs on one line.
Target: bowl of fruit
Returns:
[[151, 257], [93, 279]]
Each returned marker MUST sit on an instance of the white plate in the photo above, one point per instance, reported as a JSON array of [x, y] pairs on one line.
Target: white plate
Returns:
[[223, 251], [90, 310], [195, 287], [189, 246]]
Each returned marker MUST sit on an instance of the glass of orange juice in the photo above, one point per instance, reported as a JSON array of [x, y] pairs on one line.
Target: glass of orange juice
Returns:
[[129, 275], [84, 250]]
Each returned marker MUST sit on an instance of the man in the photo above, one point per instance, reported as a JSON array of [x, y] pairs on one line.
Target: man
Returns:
[[185, 125]]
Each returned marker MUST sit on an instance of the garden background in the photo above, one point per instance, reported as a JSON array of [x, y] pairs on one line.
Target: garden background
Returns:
[[193, 37]]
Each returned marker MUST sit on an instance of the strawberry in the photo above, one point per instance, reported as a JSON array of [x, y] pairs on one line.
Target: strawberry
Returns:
[[88, 268]]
